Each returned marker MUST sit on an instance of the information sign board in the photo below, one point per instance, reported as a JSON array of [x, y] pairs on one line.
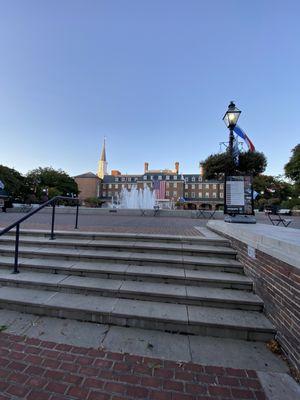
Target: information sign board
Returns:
[[238, 198]]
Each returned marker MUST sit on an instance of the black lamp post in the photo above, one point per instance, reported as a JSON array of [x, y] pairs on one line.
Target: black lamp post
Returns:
[[230, 119]]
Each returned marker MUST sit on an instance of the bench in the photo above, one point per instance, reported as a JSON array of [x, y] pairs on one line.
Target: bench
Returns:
[[276, 219], [205, 214], [155, 211]]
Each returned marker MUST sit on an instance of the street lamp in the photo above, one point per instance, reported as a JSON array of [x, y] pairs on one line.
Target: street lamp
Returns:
[[230, 119]]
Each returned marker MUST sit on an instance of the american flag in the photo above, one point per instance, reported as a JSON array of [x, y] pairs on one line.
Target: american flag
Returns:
[[160, 189]]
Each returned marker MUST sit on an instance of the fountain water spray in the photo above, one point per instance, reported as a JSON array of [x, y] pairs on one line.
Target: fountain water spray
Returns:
[[137, 198]]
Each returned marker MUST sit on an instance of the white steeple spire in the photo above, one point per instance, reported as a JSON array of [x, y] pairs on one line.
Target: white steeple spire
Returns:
[[102, 166]]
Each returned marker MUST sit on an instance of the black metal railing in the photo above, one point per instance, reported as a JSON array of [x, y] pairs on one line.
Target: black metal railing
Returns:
[[52, 202]]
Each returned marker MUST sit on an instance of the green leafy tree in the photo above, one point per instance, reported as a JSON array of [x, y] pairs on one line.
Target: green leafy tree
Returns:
[[272, 190], [216, 165], [14, 182], [292, 168], [55, 182]]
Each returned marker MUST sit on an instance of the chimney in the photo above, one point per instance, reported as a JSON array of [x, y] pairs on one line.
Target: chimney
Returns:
[[146, 167], [177, 167]]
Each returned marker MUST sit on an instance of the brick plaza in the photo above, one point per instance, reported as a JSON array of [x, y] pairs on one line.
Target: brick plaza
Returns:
[[122, 223], [33, 369]]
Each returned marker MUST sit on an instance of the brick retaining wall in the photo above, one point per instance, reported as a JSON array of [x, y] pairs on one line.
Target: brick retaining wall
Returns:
[[278, 284]]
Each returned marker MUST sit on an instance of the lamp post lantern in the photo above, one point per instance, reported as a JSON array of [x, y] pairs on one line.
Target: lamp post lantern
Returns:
[[230, 119]]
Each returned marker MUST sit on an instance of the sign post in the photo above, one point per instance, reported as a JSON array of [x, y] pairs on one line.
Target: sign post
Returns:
[[238, 199]]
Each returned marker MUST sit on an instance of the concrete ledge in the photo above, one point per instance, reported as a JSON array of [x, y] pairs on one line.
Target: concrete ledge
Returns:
[[278, 242]]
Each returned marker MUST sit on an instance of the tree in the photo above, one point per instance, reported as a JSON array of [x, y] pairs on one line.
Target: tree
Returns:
[[216, 165], [55, 182], [14, 182], [292, 168], [272, 190]]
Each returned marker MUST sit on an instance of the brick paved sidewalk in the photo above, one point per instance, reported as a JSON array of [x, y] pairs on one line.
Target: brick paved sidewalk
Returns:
[[32, 369], [109, 223]]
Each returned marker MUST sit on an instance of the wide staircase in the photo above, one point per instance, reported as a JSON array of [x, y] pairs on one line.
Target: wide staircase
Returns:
[[188, 285]]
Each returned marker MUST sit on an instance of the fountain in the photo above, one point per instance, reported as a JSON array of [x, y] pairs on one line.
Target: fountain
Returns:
[[137, 198]]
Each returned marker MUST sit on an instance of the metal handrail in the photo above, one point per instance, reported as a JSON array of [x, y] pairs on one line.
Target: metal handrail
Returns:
[[17, 223]]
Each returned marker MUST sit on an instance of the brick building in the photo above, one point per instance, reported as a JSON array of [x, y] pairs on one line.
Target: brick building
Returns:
[[190, 190], [88, 185]]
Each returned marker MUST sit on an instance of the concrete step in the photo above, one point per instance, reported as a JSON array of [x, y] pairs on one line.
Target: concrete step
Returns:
[[208, 321], [163, 292], [124, 237], [144, 273], [174, 260], [139, 246]]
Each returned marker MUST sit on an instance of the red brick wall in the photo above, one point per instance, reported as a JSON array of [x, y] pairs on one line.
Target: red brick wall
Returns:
[[278, 284], [88, 187]]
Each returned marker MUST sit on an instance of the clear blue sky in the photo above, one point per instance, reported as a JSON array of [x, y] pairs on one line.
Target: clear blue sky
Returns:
[[153, 76]]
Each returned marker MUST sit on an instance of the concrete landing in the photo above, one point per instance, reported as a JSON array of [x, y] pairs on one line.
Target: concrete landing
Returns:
[[188, 348]]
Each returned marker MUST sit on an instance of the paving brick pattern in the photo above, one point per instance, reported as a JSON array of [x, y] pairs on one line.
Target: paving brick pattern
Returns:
[[110, 223], [32, 369], [122, 223]]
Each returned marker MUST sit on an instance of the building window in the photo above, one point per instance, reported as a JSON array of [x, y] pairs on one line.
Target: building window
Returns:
[[104, 194], [145, 184], [200, 194], [186, 186], [159, 177], [109, 194], [206, 186], [193, 195], [175, 177], [175, 184], [167, 193], [167, 184], [200, 179], [116, 179], [123, 179], [214, 186], [175, 193], [109, 186], [186, 194], [145, 177], [214, 194], [123, 186], [193, 179], [193, 186], [206, 194], [116, 186], [221, 186], [221, 195], [167, 177]]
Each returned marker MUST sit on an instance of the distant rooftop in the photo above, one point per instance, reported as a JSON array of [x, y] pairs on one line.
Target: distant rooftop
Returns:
[[87, 175]]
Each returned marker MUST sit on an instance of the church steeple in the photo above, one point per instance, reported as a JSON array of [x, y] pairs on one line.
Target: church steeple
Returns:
[[102, 166]]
